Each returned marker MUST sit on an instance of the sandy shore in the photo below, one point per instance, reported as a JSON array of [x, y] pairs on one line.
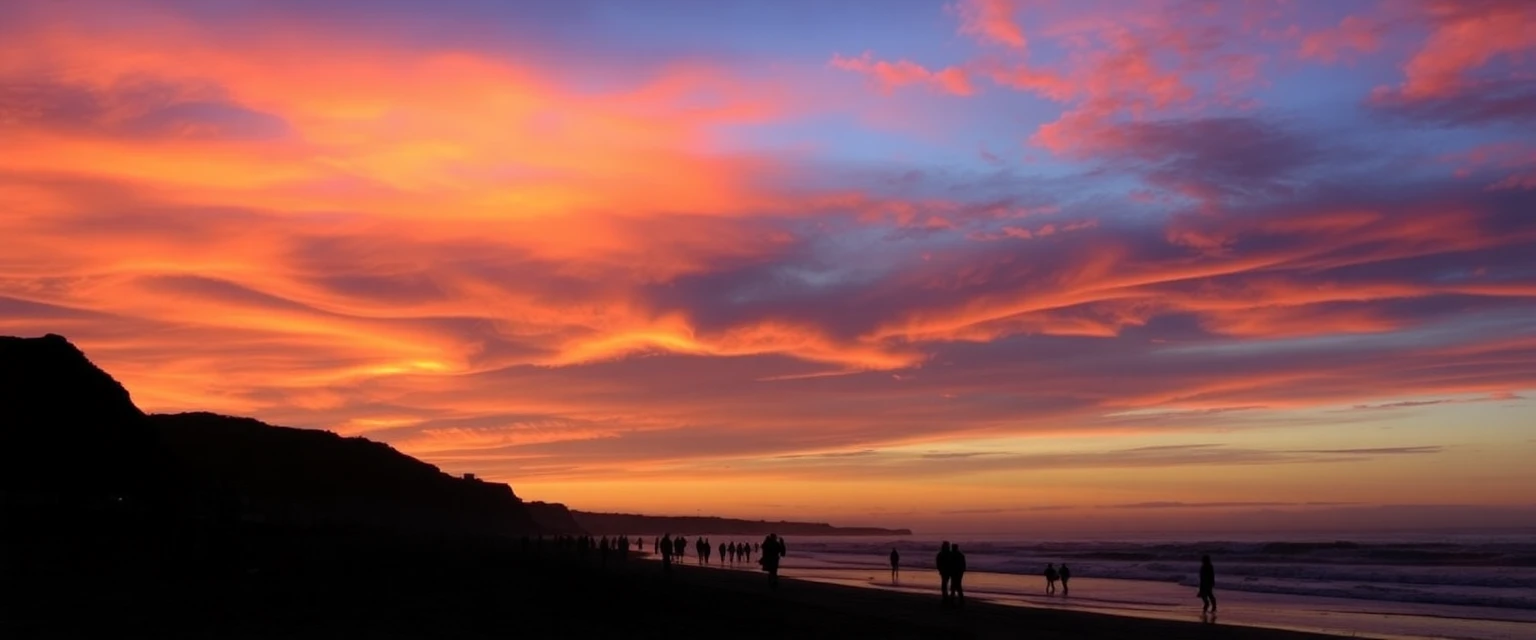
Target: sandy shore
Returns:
[[343, 589], [810, 609]]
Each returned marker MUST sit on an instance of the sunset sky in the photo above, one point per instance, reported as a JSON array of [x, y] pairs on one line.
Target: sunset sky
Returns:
[[903, 262]]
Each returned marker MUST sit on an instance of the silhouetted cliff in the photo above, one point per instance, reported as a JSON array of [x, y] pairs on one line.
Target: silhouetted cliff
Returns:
[[307, 476], [68, 430], [553, 518], [625, 523]]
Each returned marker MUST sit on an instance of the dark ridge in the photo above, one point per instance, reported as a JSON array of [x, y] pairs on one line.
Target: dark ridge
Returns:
[[553, 518], [67, 429], [308, 476], [625, 523], [70, 434]]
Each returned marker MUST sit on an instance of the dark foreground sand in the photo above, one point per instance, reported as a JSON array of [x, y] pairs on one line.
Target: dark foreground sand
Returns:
[[350, 588]]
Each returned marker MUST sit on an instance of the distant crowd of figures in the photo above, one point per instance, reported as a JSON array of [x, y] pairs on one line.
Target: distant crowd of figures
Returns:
[[949, 562], [584, 547]]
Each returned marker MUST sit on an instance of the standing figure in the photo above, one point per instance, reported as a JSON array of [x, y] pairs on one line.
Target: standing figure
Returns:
[[1050, 579], [957, 574], [773, 549], [941, 562], [1066, 575], [895, 565], [1207, 585]]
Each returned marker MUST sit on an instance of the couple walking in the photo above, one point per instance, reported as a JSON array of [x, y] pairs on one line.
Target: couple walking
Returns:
[[951, 564]]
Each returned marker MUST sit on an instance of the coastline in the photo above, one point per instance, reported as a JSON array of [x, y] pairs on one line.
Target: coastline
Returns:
[[856, 611], [310, 586]]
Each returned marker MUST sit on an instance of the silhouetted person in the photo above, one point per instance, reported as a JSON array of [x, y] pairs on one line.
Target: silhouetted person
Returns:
[[1050, 579], [941, 562], [666, 553], [773, 549], [895, 564], [957, 574], [1207, 585], [1066, 576]]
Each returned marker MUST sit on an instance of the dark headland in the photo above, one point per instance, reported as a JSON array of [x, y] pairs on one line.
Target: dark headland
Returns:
[[113, 521]]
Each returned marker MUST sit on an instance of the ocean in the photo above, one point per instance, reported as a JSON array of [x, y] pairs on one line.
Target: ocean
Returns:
[[1473, 587]]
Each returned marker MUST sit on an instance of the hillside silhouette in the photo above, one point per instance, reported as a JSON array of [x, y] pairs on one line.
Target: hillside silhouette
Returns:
[[554, 518], [70, 434], [305, 476]]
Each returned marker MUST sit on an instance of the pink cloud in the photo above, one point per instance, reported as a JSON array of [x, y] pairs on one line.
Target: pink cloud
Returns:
[[1516, 161], [1023, 77], [1132, 67], [990, 21], [1353, 33], [893, 75], [1464, 37]]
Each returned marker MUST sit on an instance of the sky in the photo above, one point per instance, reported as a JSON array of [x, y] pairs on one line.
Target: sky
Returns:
[[986, 264]]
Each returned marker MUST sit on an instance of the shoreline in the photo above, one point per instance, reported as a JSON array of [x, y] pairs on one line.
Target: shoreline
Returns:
[[300, 586], [1337, 617], [977, 619]]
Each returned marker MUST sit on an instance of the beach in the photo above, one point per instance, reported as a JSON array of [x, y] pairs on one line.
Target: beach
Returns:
[[348, 587]]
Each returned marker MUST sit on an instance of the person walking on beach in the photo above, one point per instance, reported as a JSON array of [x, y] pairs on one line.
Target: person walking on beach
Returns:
[[1050, 579], [957, 574], [1207, 585], [941, 562], [773, 549], [895, 565], [1065, 574], [665, 542]]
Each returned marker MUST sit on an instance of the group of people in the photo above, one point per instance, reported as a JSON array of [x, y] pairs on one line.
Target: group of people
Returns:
[[950, 563], [771, 549], [704, 552], [583, 546]]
